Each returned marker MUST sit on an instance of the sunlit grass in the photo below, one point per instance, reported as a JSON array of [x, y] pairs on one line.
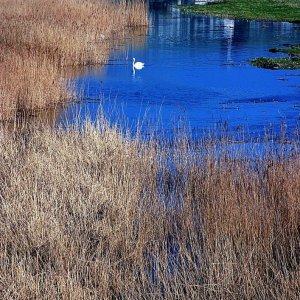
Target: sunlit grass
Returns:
[[39, 39], [88, 213], [275, 10]]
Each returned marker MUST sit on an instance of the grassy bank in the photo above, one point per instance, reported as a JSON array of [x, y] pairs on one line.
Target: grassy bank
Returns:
[[273, 10], [89, 214], [38, 40]]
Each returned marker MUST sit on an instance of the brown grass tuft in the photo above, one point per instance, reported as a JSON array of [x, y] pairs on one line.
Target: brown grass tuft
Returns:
[[38, 38], [89, 214]]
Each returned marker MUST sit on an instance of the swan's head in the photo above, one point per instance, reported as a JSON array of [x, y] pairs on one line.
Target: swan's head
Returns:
[[133, 59]]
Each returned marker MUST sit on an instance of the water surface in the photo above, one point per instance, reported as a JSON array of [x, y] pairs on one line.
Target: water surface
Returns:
[[197, 73]]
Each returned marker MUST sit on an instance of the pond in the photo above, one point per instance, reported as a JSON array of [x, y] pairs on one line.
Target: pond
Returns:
[[196, 74]]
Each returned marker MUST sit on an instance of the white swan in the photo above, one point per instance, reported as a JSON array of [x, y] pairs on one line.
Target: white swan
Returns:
[[137, 65]]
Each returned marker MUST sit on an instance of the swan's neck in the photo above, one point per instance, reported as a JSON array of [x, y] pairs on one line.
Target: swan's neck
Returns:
[[133, 61]]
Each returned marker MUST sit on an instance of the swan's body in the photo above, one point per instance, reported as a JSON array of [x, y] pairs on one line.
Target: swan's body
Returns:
[[137, 65]]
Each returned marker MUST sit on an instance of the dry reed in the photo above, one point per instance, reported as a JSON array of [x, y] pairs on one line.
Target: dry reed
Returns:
[[38, 38], [86, 213], [90, 214]]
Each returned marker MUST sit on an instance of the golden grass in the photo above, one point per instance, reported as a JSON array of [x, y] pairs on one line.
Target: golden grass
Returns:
[[38, 38], [27, 83], [86, 213], [89, 214]]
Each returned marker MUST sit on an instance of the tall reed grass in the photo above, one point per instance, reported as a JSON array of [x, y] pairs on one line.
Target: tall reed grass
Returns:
[[86, 213], [89, 213], [39, 38]]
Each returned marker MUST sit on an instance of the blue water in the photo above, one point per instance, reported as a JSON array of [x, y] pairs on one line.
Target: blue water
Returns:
[[196, 73]]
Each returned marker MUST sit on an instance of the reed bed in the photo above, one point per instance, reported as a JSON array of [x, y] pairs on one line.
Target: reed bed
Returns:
[[27, 84], [87, 213], [39, 38]]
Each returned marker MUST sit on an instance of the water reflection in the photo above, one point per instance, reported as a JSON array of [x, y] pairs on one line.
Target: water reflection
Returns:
[[197, 70], [23, 121]]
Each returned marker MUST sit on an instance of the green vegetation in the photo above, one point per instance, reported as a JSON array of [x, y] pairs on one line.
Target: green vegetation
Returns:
[[293, 50], [285, 63], [288, 63], [275, 10]]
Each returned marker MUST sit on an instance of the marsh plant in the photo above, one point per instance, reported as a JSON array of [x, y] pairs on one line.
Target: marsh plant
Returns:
[[38, 39], [89, 213], [291, 62]]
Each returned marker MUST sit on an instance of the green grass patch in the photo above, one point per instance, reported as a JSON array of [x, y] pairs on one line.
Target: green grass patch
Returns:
[[291, 62], [293, 51], [277, 63], [273, 10]]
